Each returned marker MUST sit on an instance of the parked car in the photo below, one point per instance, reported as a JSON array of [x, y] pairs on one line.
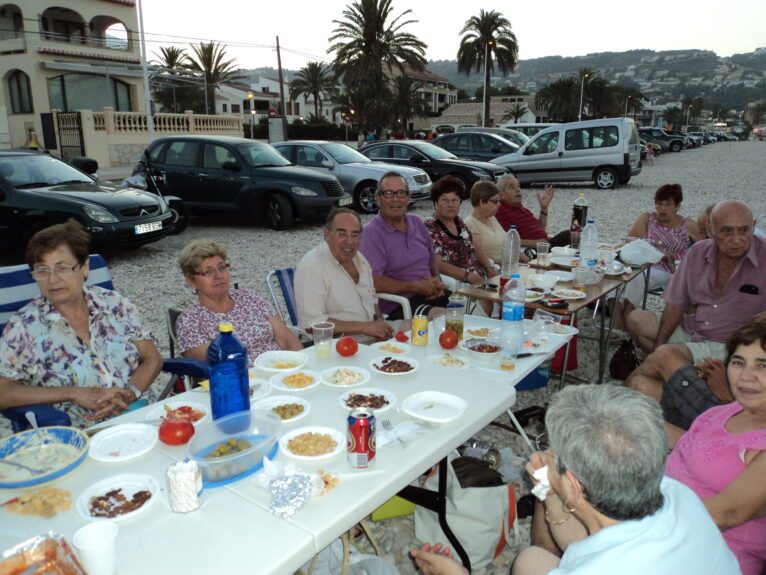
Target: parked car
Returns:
[[223, 174], [433, 160], [654, 145], [513, 136], [38, 190], [675, 143], [357, 173], [604, 151], [475, 145], [528, 129]]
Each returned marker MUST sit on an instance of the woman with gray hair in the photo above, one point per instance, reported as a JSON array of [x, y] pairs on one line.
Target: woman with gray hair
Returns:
[[256, 324], [608, 506]]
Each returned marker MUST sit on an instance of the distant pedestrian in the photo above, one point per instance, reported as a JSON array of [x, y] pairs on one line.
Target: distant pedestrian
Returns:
[[360, 139]]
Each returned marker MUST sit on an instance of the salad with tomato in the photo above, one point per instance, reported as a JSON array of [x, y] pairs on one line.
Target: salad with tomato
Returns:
[[185, 412]]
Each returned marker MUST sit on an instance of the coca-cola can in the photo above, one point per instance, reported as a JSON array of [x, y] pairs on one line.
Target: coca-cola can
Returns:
[[361, 438]]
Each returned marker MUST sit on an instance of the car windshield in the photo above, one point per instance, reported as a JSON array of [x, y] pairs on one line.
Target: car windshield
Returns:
[[343, 154], [261, 155], [38, 171], [435, 152]]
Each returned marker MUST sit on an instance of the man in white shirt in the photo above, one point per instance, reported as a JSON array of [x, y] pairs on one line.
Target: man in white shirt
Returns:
[[333, 282]]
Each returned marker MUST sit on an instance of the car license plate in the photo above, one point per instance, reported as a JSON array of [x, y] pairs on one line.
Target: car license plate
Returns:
[[150, 227], [345, 201]]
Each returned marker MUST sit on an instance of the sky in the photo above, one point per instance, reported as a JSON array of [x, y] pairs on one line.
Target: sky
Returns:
[[555, 27]]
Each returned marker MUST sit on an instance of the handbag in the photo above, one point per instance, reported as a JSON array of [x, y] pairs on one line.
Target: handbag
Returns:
[[481, 517], [624, 360]]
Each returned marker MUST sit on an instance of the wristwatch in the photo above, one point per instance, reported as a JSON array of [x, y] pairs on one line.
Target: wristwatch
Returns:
[[137, 392]]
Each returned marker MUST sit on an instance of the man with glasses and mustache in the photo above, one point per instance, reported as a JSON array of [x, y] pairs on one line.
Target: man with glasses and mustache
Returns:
[[398, 247], [333, 282]]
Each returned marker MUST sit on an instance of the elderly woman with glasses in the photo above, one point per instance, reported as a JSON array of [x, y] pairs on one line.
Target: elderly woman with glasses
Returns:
[[607, 507], [83, 349], [256, 325], [457, 256], [487, 232]]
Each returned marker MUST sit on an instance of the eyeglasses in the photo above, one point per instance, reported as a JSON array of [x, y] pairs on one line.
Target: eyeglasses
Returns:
[[495, 201], [391, 193], [221, 268], [60, 271]]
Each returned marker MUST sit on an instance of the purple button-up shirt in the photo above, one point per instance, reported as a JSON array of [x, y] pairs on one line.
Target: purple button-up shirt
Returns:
[[396, 254], [711, 315]]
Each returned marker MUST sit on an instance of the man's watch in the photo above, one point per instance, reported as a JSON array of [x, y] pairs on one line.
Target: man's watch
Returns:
[[137, 392]]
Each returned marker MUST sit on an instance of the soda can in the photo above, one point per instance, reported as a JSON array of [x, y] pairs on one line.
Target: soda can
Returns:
[[419, 329], [361, 438]]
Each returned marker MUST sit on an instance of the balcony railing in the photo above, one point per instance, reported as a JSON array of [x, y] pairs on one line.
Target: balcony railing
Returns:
[[135, 123]]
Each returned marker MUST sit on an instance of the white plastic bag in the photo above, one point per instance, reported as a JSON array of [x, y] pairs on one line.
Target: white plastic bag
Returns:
[[330, 562], [640, 252]]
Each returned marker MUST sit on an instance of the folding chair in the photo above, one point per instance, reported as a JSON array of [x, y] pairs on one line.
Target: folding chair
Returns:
[[186, 369]]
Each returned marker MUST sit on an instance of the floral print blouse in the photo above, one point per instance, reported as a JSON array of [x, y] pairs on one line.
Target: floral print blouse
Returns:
[[457, 250], [39, 347]]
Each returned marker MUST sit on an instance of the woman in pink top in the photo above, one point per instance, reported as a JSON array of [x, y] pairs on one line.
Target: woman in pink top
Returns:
[[667, 231], [721, 458]]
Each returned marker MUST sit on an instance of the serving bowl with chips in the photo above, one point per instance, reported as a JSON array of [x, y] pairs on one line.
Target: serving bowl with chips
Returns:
[[280, 361]]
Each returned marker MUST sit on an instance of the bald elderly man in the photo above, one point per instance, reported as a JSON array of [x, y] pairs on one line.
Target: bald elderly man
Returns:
[[719, 287]]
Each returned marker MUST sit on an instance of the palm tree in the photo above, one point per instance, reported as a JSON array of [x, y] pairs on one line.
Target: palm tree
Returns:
[[209, 60], [172, 58], [360, 99], [313, 80], [171, 87], [368, 42], [405, 99], [486, 35], [560, 98], [515, 112]]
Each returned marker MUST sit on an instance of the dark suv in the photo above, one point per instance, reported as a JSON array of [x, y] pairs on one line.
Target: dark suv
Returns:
[[38, 190], [217, 174], [676, 143], [475, 145], [434, 161]]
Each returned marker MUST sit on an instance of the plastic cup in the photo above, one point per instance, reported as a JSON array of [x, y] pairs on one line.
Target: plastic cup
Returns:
[[580, 277], [321, 332], [96, 546], [543, 249]]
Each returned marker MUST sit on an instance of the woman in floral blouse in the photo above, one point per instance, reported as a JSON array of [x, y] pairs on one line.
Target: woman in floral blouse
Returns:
[[83, 349], [256, 325], [457, 256]]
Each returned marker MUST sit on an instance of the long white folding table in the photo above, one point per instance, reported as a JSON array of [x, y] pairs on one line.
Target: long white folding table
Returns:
[[233, 531]]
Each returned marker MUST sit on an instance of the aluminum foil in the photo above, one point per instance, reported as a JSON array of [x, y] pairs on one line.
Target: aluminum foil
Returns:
[[288, 494]]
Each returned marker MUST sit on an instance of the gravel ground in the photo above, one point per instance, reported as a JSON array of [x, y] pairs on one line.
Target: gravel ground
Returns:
[[150, 277]]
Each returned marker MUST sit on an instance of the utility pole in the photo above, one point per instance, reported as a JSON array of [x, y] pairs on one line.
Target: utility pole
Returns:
[[281, 92], [145, 73]]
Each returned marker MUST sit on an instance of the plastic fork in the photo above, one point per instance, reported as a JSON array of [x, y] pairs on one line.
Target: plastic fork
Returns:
[[390, 428]]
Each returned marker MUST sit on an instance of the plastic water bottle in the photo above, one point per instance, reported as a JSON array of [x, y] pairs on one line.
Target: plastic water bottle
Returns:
[[229, 382], [511, 253], [514, 300], [579, 215], [589, 244]]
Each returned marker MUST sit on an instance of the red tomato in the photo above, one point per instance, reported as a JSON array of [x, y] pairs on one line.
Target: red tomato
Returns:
[[176, 431], [347, 346], [401, 336], [448, 339]]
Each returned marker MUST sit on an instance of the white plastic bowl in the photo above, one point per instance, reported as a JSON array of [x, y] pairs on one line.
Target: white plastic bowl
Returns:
[[542, 280]]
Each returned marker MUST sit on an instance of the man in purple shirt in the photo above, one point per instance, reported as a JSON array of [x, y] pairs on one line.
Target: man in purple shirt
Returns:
[[719, 287], [398, 247]]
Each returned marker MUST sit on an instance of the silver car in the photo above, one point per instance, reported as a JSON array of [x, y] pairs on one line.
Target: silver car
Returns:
[[357, 174]]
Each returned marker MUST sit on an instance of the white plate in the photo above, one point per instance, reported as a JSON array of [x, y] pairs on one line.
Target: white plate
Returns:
[[259, 387], [390, 397], [277, 381], [268, 360], [565, 261], [562, 275], [434, 406], [469, 332], [130, 483], [404, 347], [615, 269], [270, 403], [568, 293], [379, 361], [559, 251], [339, 438], [123, 442], [437, 360], [158, 411], [562, 329], [328, 373], [536, 295]]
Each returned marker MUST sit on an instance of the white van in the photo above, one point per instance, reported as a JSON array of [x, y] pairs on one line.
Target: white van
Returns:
[[604, 151]]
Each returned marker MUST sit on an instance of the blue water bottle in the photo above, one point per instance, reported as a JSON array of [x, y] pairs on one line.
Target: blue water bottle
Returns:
[[229, 383]]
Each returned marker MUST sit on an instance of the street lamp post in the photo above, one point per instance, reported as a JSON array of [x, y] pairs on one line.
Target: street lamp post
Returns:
[[626, 107], [485, 107], [250, 97], [582, 89], [252, 122], [688, 109]]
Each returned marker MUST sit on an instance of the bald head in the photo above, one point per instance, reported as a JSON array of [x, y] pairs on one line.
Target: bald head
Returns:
[[728, 209], [732, 228]]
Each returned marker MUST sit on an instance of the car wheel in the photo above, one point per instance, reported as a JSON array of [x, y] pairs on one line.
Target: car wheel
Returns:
[[279, 213], [605, 178], [364, 197], [181, 217], [675, 147]]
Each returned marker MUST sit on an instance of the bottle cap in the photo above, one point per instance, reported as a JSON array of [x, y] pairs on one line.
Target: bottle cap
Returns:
[[513, 227], [515, 276], [225, 327], [590, 221]]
